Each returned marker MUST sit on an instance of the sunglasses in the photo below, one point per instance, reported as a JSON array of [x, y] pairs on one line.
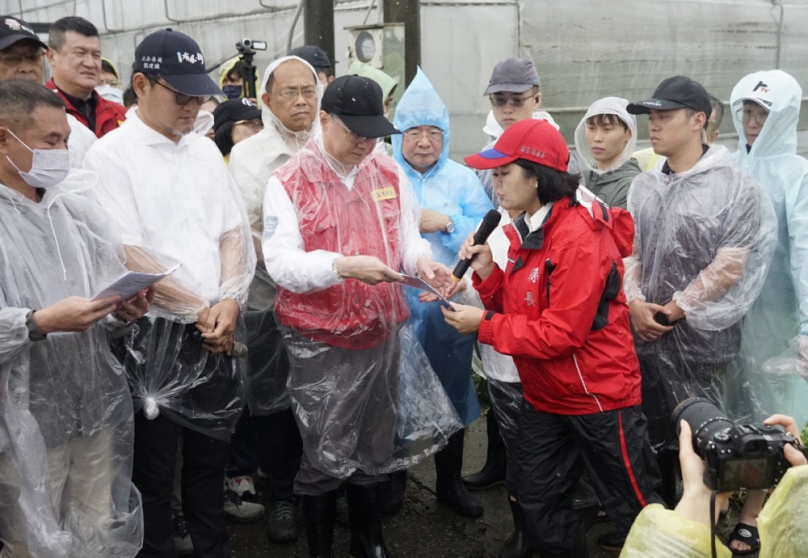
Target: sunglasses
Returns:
[[183, 99], [502, 100]]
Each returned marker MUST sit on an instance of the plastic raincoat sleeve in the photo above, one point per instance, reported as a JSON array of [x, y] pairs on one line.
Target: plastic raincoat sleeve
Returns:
[[797, 209], [475, 204], [782, 523], [13, 333], [725, 290], [563, 327], [661, 532], [238, 265]]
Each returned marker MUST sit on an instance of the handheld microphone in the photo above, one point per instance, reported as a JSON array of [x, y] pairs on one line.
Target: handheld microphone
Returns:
[[490, 222]]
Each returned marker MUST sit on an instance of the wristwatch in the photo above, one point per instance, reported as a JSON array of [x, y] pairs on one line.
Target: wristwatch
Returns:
[[450, 228], [34, 333]]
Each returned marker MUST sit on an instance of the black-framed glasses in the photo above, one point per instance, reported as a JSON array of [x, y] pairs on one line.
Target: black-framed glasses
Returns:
[[355, 138], [183, 99], [502, 100], [15, 58]]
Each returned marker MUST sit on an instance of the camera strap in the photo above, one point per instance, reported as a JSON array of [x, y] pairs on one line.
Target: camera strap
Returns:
[[712, 522]]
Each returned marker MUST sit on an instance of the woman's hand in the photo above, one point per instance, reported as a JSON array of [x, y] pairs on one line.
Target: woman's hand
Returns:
[[483, 262], [793, 455], [425, 297], [465, 319], [695, 502]]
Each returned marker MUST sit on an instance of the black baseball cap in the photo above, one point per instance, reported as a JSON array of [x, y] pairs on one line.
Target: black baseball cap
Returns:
[[314, 55], [177, 59], [235, 110], [675, 93], [13, 29], [358, 102]]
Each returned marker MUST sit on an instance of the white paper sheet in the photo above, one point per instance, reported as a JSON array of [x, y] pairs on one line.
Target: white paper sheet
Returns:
[[130, 283]]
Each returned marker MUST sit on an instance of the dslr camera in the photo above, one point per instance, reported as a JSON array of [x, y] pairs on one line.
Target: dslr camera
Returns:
[[736, 456]]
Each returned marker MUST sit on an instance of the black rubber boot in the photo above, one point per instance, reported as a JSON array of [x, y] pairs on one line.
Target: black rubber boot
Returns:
[[450, 488], [493, 472], [393, 493], [319, 515], [518, 547], [580, 546], [365, 515]]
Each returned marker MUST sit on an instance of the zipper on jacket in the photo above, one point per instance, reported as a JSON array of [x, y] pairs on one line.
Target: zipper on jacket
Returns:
[[583, 383]]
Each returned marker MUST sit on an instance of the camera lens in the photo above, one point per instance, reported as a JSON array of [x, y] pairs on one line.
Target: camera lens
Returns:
[[247, 43], [704, 418]]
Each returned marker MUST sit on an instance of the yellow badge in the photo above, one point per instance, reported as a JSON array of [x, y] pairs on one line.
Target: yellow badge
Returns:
[[388, 193]]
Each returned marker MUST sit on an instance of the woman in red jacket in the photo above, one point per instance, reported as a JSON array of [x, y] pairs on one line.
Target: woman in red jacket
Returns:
[[559, 310]]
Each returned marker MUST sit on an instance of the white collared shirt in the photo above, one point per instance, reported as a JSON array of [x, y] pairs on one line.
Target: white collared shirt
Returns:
[[173, 200], [299, 271], [535, 221]]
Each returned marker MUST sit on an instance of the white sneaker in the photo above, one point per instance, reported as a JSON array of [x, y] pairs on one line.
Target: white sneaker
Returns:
[[240, 511], [243, 486]]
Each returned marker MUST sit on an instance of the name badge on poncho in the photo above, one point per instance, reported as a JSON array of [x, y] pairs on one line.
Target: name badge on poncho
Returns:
[[388, 193]]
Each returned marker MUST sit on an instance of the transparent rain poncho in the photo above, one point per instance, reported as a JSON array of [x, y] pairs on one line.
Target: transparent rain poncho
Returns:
[[779, 316], [362, 390], [66, 419], [611, 185], [455, 191], [162, 224], [252, 162], [783, 529], [704, 238]]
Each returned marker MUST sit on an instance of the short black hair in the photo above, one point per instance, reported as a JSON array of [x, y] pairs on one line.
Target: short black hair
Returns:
[[329, 72], [19, 99], [606, 120], [129, 97], [552, 184], [56, 33], [236, 69], [107, 67], [224, 137]]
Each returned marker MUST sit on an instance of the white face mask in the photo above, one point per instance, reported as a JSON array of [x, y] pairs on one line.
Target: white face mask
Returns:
[[110, 93], [49, 167]]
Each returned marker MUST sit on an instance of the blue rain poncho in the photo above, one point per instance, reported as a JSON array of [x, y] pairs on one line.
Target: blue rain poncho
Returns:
[[453, 190], [66, 417], [780, 313]]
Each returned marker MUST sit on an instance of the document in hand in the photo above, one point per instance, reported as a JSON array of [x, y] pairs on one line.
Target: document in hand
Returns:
[[130, 283], [422, 285]]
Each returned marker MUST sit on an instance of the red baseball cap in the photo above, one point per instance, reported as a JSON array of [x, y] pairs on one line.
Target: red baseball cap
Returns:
[[533, 140]]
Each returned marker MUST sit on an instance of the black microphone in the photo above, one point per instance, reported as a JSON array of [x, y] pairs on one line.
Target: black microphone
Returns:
[[490, 222]]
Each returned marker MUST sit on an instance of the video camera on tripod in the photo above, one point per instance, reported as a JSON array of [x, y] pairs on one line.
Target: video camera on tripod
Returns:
[[247, 50]]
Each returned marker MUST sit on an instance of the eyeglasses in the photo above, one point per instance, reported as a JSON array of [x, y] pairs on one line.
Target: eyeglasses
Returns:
[[111, 82], [17, 57], [745, 115], [183, 99], [432, 134], [292, 94], [255, 125], [355, 138], [502, 100]]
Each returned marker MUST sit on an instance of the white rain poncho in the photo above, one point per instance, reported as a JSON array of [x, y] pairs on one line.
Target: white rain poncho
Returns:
[[66, 420], [611, 185], [704, 238], [363, 393], [453, 190], [486, 176], [176, 203], [252, 162], [783, 529], [780, 313]]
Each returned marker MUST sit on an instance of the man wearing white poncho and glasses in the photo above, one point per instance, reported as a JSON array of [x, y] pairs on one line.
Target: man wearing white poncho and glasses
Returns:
[[66, 428], [340, 221], [290, 95], [170, 192]]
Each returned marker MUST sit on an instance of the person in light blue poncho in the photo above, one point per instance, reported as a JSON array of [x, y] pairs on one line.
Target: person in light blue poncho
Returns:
[[766, 110], [453, 202]]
